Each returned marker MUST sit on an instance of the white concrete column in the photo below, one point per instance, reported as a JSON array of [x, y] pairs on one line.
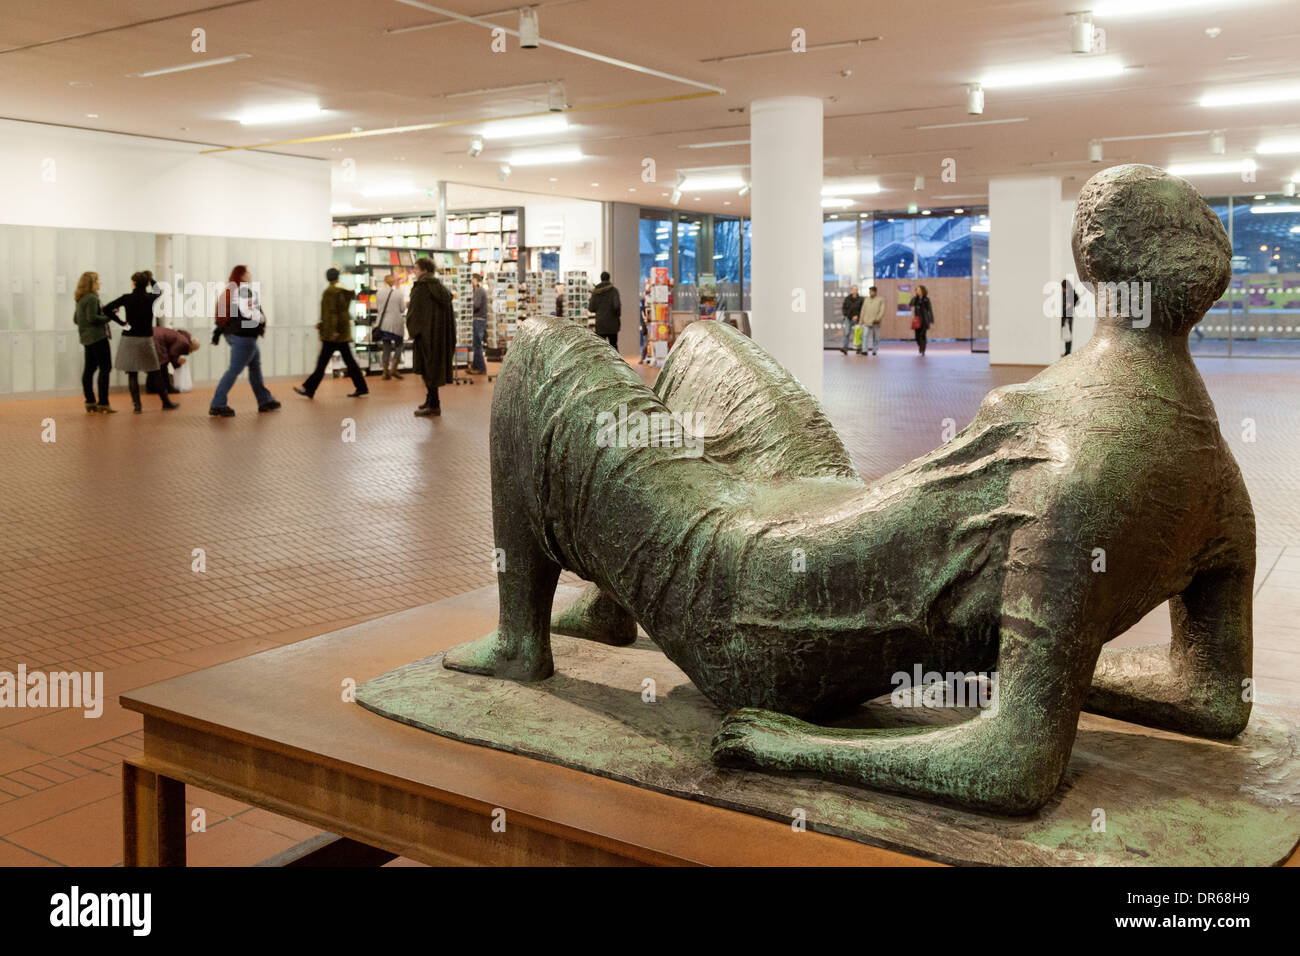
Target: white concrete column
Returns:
[[1027, 223], [785, 156]]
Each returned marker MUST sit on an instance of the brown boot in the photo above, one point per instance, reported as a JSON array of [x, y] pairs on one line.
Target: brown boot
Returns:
[[396, 373], [387, 374]]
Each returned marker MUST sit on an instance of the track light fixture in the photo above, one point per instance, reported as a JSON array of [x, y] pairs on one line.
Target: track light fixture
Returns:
[[557, 101], [1081, 32], [1218, 143], [1094, 151], [918, 184], [529, 33], [475, 146], [676, 196], [503, 172], [974, 100], [1288, 189], [744, 190]]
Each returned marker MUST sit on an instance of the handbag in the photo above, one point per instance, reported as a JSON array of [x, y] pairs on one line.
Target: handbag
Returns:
[[916, 323], [376, 330], [182, 378]]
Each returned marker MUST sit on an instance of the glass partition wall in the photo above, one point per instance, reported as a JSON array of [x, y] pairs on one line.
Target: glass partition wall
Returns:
[[946, 250], [691, 245], [1259, 314]]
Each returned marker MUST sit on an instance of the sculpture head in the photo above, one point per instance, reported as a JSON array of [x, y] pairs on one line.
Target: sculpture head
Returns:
[[1137, 223]]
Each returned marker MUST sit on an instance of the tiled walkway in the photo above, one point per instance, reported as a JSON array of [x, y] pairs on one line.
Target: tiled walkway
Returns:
[[147, 546]]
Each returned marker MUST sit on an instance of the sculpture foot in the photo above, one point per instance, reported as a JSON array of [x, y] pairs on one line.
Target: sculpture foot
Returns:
[[493, 657], [594, 616], [765, 739]]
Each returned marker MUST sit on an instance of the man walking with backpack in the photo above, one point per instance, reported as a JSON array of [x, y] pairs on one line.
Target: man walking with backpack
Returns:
[[335, 328]]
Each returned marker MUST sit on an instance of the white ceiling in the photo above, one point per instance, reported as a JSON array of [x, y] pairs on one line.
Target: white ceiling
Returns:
[[61, 60]]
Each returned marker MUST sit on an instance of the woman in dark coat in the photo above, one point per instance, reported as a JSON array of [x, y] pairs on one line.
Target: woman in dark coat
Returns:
[[135, 353], [431, 321], [922, 316]]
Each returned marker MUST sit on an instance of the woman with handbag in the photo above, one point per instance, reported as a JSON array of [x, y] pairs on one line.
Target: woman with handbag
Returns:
[[239, 318], [390, 326], [922, 316]]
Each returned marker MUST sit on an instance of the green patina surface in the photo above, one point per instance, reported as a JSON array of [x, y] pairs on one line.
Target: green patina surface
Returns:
[[1168, 800]]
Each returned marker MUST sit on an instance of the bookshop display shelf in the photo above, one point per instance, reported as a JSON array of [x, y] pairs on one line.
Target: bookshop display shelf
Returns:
[[371, 263]]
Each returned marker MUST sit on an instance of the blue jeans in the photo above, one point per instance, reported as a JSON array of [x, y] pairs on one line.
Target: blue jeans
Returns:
[[848, 334], [244, 353], [871, 335], [480, 332]]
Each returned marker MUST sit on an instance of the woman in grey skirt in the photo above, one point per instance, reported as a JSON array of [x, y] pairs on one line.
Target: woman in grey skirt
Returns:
[[136, 352]]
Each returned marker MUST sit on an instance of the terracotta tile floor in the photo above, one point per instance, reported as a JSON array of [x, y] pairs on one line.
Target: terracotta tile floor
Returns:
[[303, 532]]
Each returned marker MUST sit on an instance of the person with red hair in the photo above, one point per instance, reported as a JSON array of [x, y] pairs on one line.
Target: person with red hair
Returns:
[[239, 318]]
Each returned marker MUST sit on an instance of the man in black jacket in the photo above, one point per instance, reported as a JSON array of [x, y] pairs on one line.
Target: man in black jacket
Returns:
[[605, 305], [852, 311], [431, 320]]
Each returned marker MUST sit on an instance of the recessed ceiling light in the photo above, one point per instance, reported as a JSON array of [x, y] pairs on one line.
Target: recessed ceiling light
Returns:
[[697, 198], [1260, 196], [850, 189], [836, 202], [721, 143], [80, 83], [546, 156], [1272, 147], [631, 189], [594, 185], [553, 179], [707, 183], [92, 116], [286, 113], [1131, 9], [191, 66], [1054, 71], [726, 202], [1252, 95], [526, 126], [1210, 169]]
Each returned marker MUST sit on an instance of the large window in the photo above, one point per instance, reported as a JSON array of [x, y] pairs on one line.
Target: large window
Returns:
[[943, 246], [895, 249], [656, 243], [726, 250], [688, 235]]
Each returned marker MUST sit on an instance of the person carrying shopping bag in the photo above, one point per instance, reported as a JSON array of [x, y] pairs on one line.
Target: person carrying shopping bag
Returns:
[[241, 320], [851, 308]]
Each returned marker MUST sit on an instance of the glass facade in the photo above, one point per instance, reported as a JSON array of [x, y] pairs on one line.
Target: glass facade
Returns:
[[691, 245], [1259, 314]]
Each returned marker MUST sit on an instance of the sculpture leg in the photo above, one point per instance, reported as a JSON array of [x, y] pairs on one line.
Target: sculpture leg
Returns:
[[1198, 683], [1009, 759], [520, 647], [595, 616]]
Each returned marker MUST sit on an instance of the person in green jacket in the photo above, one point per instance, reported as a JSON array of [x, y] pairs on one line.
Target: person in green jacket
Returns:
[[92, 324], [335, 327]]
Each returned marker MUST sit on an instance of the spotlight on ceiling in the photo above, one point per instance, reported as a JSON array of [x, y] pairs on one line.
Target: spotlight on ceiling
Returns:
[[528, 31], [975, 100], [744, 190], [1081, 33], [475, 146], [676, 196], [1218, 143], [918, 184], [1288, 189], [1094, 151], [556, 99], [503, 172]]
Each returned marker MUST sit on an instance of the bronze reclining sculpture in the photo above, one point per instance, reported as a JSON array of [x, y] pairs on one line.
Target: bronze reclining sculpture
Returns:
[[789, 590]]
